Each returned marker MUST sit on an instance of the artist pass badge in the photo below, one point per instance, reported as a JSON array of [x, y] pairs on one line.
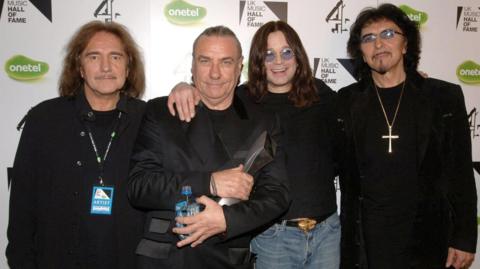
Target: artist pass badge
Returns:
[[102, 200]]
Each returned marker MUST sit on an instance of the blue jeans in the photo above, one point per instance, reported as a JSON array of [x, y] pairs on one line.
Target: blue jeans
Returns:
[[284, 247]]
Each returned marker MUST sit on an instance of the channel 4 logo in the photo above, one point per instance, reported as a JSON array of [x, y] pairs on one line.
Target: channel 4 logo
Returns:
[[105, 11], [336, 17]]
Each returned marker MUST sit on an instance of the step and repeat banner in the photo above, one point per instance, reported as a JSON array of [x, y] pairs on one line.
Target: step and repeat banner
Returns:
[[34, 33]]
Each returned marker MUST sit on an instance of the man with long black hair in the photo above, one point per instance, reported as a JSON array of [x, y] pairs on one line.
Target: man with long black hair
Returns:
[[408, 192]]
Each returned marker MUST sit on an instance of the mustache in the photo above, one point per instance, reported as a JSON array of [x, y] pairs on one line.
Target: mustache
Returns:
[[106, 77]]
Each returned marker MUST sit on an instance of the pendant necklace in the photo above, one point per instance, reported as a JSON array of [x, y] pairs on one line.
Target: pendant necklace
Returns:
[[390, 125]]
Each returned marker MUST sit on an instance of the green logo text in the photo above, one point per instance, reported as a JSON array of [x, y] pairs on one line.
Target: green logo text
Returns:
[[414, 15], [469, 72], [20, 67], [183, 13]]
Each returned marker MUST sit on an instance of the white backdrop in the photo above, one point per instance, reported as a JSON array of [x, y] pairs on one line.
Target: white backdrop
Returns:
[[165, 29]]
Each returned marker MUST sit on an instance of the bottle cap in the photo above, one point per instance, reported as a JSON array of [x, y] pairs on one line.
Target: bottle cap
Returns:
[[186, 190]]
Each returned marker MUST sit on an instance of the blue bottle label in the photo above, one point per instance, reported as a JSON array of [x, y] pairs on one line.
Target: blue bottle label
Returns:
[[182, 209]]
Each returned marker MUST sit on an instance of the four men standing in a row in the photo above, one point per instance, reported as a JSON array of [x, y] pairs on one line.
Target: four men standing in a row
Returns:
[[401, 142]]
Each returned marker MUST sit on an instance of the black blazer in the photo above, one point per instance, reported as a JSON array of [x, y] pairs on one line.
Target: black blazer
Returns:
[[170, 153], [447, 210]]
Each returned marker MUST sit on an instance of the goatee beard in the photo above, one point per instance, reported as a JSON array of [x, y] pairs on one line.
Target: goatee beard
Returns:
[[381, 70]]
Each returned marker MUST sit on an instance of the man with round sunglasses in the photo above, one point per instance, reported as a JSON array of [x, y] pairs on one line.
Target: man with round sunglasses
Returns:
[[408, 192], [286, 54], [280, 80]]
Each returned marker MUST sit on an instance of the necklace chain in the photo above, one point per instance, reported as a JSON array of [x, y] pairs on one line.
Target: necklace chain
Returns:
[[390, 125]]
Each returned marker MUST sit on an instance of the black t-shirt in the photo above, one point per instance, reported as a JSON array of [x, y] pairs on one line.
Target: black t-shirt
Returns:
[[100, 239], [390, 187], [308, 143], [220, 117]]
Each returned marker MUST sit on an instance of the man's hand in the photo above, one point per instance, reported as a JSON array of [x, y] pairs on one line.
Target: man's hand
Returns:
[[233, 183], [209, 222], [185, 97], [459, 259]]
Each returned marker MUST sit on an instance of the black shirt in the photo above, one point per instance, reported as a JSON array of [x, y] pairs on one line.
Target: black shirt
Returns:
[[390, 186], [308, 136], [218, 117], [101, 243]]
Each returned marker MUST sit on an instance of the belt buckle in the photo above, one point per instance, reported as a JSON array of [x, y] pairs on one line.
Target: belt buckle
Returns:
[[306, 224]]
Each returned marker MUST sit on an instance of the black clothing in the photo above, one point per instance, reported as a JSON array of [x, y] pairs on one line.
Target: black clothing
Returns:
[[308, 136], [390, 178], [441, 205], [390, 187], [55, 169], [170, 153], [98, 227], [102, 128], [220, 118]]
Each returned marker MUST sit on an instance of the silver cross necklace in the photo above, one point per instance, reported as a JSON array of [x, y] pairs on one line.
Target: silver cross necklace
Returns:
[[390, 125]]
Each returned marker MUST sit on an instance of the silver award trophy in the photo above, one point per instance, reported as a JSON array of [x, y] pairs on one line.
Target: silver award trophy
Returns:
[[259, 154]]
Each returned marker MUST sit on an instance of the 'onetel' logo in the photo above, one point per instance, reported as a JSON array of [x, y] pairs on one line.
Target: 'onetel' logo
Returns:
[[469, 72], [20, 67], [183, 13], [415, 15]]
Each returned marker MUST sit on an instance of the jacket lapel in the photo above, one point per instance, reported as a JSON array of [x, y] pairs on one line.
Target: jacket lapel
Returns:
[[423, 109], [359, 106], [122, 106], [202, 138], [237, 130], [222, 148]]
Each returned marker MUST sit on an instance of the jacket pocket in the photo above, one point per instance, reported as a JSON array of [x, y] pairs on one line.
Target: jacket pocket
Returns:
[[158, 225], [153, 249], [238, 256]]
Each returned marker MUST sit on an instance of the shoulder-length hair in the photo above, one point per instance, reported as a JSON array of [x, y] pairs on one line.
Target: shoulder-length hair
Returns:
[[392, 13], [303, 92], [71, 82]]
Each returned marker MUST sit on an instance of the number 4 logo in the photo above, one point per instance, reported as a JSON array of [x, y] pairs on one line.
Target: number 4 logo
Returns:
[[105, 10]]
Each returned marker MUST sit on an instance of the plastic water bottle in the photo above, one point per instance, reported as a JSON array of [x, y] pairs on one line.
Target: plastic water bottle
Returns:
[[186, 207]]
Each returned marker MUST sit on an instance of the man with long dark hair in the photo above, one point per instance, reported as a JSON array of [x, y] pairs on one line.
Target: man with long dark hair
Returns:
[[280, 80], [68, 199], [408, 192]]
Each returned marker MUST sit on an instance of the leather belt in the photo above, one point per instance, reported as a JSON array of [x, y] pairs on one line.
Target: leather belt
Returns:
[[305, 224]]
